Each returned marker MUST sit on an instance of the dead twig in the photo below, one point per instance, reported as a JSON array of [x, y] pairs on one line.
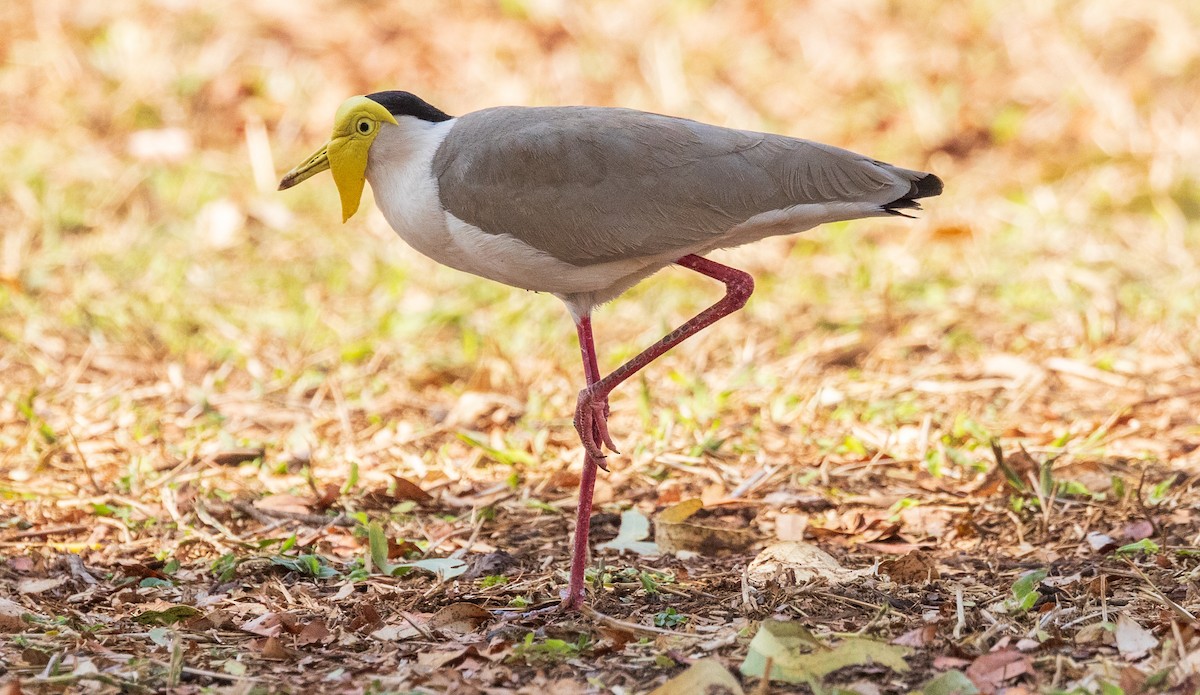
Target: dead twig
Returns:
[[267, 516]]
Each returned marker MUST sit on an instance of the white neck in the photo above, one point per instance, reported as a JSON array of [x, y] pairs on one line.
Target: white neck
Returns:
[[399, 169]]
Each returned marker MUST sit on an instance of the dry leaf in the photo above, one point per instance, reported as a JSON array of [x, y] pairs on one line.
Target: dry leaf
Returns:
[[676, 531], [619, 637], [313, 633], [38, 586], [439, 659], [991, 671], [916, 567], [459, 617], [917, 637], [704, 677], [796, 656], [272, 648], [1138, 530], [792, 563], [285, 503], [267, 625], [405, 489], [1133, 640], [1100, 542], [10, 616], [635, 527]]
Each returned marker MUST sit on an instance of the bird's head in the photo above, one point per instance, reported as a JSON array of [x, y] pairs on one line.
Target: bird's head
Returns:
[[355, 127]]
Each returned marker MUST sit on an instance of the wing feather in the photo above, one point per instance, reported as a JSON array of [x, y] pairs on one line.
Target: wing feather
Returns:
[[589, 185]]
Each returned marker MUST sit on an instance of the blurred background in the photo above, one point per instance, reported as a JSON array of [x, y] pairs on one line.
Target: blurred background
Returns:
[[158, 298]]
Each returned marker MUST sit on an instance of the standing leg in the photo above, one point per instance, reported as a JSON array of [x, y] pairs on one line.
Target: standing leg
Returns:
[[591, 413], [587, 482]]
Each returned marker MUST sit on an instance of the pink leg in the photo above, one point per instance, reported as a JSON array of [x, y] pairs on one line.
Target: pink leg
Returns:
[[591, 414], [591, 411], [587, 482]]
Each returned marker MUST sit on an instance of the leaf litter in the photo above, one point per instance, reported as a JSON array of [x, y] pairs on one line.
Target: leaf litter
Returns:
[[298, 454]]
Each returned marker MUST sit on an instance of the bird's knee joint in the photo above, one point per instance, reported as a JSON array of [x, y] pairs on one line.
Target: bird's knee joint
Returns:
[[739, 288]]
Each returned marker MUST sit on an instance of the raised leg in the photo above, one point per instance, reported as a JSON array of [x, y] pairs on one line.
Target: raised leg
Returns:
[[591, 413], [592, 427]]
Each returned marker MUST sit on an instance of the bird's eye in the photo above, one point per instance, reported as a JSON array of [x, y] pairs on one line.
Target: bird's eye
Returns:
[[364, 126]]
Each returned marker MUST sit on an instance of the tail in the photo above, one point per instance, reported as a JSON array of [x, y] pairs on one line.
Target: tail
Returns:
[[922, 186]]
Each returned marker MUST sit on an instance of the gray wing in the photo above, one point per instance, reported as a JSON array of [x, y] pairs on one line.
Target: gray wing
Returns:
[[590, 184]]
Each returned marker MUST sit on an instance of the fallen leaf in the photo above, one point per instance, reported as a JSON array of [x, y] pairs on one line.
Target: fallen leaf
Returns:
[[1137, 530], [395, 633], [445, 567], [950, 683], [489, 564], [10, 616], [169, 616], [273, 649], [267, 625], [798, 657], [460, 617], [675, 532], [39, 586], [792, 563], [1133, 640], [704, 677], [439, 659], [916, 567], [944, 662], [619, 637], [1096, 633], [635, 527], [405, 489], [917, 637], [1025, 591], [285, 503], [313, 633], [1100, 542], [991, 671]]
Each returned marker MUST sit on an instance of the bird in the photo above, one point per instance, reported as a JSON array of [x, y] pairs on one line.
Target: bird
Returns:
[[584, 202]]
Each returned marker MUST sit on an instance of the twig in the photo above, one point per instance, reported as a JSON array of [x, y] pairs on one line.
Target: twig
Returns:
[[1154, 591], [960, 613], [51, 531], [268, 515], [417, 626], [764, 681], [84, 462], [632, 627], [68, 678]]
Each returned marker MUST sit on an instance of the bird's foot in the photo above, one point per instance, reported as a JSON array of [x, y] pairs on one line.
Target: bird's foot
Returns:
[[591, 421]]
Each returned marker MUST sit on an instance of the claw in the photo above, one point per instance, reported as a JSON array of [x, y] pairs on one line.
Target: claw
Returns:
[[591, 421]]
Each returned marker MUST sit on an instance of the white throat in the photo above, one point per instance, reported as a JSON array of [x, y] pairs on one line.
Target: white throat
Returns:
[[399, 169]]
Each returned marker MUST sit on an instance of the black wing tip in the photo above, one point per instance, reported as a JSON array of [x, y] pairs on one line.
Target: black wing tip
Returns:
[[927, 186], [400, 103]]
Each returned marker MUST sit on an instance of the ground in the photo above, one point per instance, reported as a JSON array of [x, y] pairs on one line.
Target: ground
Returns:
[[244, 448]]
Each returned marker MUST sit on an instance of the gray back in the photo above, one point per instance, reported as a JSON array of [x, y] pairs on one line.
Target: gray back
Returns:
[[589, 184]]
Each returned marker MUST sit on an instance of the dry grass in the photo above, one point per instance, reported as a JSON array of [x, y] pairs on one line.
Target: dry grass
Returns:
[[162, 306]]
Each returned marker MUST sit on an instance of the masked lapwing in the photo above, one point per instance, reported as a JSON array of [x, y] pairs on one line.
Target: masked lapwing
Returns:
[[584, 202]]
